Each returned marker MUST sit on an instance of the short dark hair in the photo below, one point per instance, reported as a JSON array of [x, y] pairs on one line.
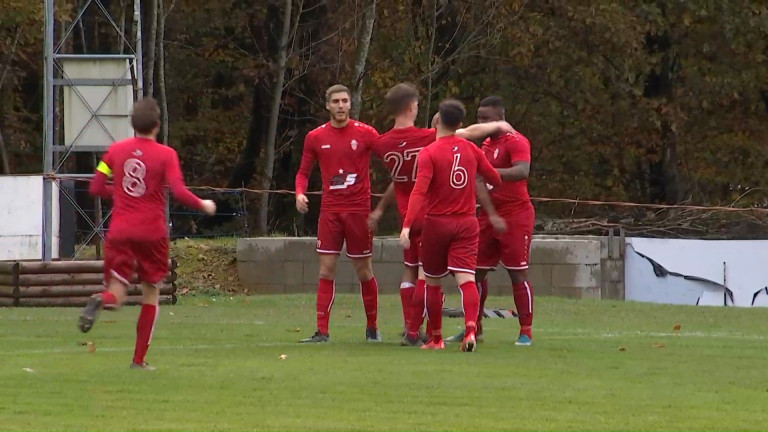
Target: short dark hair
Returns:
[[452, 113], [494, 102], [337, 88], [400, 97], [145, 115]]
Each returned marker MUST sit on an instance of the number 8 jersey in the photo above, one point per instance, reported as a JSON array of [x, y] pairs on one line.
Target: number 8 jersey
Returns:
[[399, 148], [344, 156], [140, 169]]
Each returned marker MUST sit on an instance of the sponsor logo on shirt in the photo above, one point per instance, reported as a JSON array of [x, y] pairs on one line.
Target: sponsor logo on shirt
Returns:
[[353, 144], [327, 146]]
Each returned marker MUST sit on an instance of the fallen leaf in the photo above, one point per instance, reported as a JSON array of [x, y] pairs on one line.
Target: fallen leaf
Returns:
[[91, 347], [677, 327], [298, 329], [171, 313], [621, 348], [28, 370], [659, 345], [283, 356]]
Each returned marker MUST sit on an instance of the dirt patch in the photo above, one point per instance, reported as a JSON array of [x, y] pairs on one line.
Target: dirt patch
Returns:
[[206, 266]]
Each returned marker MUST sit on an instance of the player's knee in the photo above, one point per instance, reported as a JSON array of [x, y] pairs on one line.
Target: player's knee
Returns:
[[150, 294], [518, 276]]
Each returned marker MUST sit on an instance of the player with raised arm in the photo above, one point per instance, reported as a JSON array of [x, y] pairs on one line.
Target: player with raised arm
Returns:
[[342, 148], [445, 193], [510, 153], [398, 149], [137, 240]]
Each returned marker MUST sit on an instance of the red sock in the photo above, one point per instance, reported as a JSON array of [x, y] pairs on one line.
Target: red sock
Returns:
[[435, 311], [470, 302], [144, 329], [483, 288], [370, 292], [406, 299], [418, 305], [326, 288], [523, 302], [107, 298]]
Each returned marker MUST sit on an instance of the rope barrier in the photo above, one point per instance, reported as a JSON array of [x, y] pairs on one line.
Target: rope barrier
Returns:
[[534, 199]]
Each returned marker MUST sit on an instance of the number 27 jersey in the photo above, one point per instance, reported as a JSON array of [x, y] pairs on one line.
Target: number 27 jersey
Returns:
[[399, 148]]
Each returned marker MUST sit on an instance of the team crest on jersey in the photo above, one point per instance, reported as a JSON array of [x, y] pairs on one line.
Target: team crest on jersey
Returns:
[[496, 153], [353, 144]]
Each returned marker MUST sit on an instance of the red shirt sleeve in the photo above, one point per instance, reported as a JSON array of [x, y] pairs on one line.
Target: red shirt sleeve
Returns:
[[486, 170], [307, 163], [175, 181], [98, 186], [519, 149], [424, 170]]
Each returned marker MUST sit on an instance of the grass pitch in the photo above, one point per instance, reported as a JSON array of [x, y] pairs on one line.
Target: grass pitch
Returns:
[[594, 366]]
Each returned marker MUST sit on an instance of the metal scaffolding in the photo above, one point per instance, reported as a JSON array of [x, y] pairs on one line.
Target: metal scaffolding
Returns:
[[56, 147]]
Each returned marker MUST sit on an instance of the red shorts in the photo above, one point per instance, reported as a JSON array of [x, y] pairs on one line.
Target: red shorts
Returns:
[[449, 244], [512, 247], [412, 256], [335, 229], [148, 258]]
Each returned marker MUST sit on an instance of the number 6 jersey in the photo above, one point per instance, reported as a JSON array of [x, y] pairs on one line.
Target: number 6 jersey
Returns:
[[140, 169], [445, 179], [344, 156]]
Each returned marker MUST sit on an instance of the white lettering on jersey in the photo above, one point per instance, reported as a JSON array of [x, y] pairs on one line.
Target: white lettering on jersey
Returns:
[[133, 181], [342, 181], [459, 175]]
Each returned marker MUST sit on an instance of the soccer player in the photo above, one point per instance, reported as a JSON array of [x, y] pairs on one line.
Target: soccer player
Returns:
[[445, 179], [137, 240], [342, 148], [510, 153], [398, 149]]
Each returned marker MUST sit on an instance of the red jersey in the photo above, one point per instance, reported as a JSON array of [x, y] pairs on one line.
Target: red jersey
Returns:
[[344, 156], [503, 152], [445, 178], [140, 169], [398, 149]]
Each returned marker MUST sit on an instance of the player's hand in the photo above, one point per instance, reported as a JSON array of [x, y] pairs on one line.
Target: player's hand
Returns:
[[498, 223], [302, 203], [209, 207], [373, 219], [405, 240], [506, 127]]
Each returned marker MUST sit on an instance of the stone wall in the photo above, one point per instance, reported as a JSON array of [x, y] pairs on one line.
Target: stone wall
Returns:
[[571, 266]]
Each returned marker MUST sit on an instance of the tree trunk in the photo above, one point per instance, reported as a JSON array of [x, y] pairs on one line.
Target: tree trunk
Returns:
[[121, 26], [277, 93], [4, 155], [433, 28], [361, 55], [149, 71], [161, 70]]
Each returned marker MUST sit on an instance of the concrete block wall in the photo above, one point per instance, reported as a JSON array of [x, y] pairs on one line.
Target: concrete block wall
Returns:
[[575, 267]]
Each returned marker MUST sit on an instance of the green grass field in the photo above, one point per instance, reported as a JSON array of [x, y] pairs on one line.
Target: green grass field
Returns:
[[594, 366]]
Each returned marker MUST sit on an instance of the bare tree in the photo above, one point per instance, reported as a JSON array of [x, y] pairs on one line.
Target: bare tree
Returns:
[[161, 66], [3, 151], [277, 94], [149, 72], [430, 54], [361, 55]]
